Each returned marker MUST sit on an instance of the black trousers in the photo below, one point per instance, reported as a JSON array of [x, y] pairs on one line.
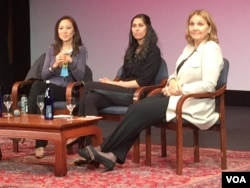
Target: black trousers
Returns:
[[92, 101], [38, 88], [138, 117]]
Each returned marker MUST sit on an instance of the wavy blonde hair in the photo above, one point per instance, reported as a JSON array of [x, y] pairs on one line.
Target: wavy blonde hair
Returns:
[[212, 36]]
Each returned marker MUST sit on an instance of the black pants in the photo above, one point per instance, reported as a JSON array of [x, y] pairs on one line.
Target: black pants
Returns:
[[138, 117], [38, 88], [92, 101]]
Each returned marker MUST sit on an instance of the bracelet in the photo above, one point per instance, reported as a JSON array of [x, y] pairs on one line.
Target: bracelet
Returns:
[[51, 69]]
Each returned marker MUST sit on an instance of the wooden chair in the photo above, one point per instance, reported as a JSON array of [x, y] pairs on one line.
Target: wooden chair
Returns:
[[180, 124], [23, 87], [116, 113]]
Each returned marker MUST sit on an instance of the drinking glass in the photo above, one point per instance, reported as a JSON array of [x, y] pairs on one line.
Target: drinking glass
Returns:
[[7, 100], [40, 103], [70, 103]]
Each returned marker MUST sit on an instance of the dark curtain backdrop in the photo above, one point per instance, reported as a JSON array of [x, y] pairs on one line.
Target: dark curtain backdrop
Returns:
[[14, 42]]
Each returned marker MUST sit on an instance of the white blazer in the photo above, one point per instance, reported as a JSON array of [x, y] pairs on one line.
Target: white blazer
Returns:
[[198, 74]]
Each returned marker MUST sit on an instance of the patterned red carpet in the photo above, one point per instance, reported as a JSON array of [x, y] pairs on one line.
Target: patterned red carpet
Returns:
[[23, 170]]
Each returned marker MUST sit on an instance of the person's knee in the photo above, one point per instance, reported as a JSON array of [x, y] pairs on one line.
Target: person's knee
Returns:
[[38, 86]]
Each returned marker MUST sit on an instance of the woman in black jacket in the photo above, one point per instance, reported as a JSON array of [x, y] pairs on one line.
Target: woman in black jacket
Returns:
[[141, 64]]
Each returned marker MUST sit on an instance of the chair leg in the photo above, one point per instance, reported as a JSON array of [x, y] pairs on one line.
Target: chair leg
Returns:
[[148, 146], [80, 142], [196, 146], [163, 142], [223, 149], [136, 151], [70, 150], [15, 142], [179, 149]]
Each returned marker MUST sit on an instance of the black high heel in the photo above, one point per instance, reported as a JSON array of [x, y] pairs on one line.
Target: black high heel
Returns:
[[93, 165], [87, 160], [83, 153], [95, 156], [80, 162]]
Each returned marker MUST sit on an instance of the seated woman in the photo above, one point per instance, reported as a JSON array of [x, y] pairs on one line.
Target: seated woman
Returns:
[[141, 64], [197, 70], [64, 62]]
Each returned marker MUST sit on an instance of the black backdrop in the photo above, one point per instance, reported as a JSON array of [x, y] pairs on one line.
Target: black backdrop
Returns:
[[14, 42]]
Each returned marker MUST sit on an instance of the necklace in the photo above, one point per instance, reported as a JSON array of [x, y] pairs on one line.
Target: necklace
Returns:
[[68, 52]]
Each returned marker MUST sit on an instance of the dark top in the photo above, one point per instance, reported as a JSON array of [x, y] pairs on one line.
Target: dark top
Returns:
[[144, 71]]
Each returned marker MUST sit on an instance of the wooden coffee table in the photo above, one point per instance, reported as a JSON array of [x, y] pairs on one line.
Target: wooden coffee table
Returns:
[[57, 130]]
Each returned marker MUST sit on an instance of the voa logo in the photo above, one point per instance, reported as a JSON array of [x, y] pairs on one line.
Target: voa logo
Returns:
[[236, 179]]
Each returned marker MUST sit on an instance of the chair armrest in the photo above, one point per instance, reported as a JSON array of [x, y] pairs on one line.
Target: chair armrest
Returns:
[[142, 92], [74, 86], [117, 78], [154, 92], [218, 93], [15, 91]]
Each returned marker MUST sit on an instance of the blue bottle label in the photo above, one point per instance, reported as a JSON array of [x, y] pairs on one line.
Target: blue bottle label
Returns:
[[48, 112]]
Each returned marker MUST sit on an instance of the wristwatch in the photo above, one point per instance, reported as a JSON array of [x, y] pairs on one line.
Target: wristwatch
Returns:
[[51, 69]]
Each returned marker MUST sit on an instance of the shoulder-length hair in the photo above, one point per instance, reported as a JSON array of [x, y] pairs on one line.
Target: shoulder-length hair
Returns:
[[76, 42], [212, 36], [150, 38]]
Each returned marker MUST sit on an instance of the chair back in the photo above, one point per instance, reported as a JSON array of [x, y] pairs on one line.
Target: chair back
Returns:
[[223, 75], [162, 72], [88, 76], [35, 71]]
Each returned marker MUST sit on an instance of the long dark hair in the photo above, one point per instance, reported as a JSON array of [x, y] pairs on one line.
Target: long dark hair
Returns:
[[76, 42], [150, 38]]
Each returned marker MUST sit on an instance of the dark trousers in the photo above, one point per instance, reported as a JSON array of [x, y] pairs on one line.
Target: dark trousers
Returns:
[[138, 117], [92, 101], [38, 88]]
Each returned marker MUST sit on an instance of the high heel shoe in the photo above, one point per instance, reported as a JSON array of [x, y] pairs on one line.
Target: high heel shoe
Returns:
[[95, 156], [83, 153], [93, 165], [80, 162], [87, 160]]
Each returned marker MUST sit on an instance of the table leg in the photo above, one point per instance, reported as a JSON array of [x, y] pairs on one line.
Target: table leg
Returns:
[[60, 158]]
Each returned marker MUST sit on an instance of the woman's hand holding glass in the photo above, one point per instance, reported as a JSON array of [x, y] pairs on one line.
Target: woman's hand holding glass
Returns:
[[7, 100]]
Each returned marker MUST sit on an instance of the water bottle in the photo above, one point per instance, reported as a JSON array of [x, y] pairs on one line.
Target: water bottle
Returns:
[[24, 104], [1, 103], [48, 102]]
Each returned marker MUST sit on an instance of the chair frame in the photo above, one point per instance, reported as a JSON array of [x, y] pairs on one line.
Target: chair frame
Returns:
[[72, 86], [179, 125]]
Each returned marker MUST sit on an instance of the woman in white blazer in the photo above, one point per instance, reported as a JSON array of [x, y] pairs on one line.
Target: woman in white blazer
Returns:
[[197, 70]]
